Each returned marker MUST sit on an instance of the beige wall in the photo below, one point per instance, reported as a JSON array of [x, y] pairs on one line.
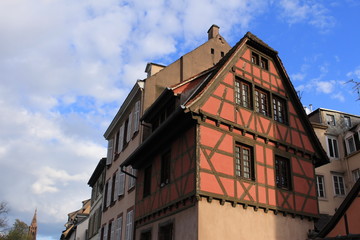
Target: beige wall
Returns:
[[185, 225], [215, 219]]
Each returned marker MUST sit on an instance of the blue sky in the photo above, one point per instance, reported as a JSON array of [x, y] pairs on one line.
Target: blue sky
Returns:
[[66, 66]]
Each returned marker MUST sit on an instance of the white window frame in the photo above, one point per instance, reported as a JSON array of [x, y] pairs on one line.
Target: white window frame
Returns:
[[333, 146], [136, 117], [356, 174], [351, 138], [339, 187], [322, 185]]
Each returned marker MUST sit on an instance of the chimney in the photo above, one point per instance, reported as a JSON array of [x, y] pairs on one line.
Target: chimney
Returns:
[[213, 31], [152, 68]]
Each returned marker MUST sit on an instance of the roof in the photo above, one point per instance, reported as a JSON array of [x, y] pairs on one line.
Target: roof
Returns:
[[330, 110], [97, 172]]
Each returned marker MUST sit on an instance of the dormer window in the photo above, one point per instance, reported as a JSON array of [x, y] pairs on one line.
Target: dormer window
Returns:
[[264, 64], [347, 122], [260, 61], [330, 119]]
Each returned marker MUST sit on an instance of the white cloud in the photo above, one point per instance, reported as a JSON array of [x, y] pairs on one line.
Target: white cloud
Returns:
[[312, 12], [325, 86], [354, 74]]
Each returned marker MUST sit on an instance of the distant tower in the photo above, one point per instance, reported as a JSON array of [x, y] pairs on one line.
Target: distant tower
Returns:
[[33, 227]]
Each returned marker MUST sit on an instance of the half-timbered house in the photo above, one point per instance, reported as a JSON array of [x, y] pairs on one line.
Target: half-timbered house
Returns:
[[231, 154]]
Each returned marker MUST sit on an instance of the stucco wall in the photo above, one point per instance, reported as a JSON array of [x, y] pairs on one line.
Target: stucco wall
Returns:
[[185, 225], [226, 222]]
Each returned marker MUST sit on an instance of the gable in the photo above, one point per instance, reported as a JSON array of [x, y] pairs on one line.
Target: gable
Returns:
[[272, 109]]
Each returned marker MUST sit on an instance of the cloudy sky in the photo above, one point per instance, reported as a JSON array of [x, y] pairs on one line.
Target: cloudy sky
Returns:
[[67, 65]]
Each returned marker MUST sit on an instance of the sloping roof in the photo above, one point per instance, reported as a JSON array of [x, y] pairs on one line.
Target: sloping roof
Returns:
[[97, 172], [341, 210]]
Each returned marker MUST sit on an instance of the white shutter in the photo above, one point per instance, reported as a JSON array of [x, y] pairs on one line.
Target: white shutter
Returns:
[[118, 228], [105, 232], [129, 132], [110, 152], [136, 117], [129, 222], [121, 139], [116, 190], [121, 188], [112, 230], [108, 199]]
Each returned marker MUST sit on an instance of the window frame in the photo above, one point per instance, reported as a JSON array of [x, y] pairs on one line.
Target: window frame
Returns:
[[240, 95], [258, 102], [337, 182], [330, 119], [165, 226], [333, 147], [350, 150], [147, 181], [355, 174], [320, 186], [276, 100], [240, 161], [347, 121], [283, 173]]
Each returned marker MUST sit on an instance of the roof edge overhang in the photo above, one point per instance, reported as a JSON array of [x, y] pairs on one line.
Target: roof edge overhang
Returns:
[[97, 172], [178, 121], [137, 86], [166, 94]]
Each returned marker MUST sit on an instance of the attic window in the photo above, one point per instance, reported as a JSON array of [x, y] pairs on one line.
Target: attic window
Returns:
[[222, 54], [255, 58], [212, 51], [264, 63]]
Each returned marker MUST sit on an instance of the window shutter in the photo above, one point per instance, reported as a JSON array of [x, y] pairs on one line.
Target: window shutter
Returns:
[[136, 117], [110, 152], [129, 225], [121, 139], [121, 188], [118, 228], [131, 179], [129, 132], [105, 232], [116, 184], [108, 199], [112, 230]]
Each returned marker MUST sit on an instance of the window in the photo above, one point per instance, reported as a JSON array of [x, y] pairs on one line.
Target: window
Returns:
[[166, 232], [145, 235], [339, 187], [320, 183], [350, 144], [347, 122], [330, 119], [165, 168], [147, 181], [264, 63], [255, 58], [279, 106], [356, 174], [242, 94], [125, 136], [132, 180], [118, 228], [261, 102], [212, 51], [129, 225], [104, 231], [282, 173], [222, 54], [332, 147], [244, 162], [114, 187]]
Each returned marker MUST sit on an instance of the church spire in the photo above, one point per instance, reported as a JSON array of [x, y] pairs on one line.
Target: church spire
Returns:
[[33, 227]]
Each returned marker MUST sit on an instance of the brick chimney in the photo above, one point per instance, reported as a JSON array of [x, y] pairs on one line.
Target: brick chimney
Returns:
[[213, 31]]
